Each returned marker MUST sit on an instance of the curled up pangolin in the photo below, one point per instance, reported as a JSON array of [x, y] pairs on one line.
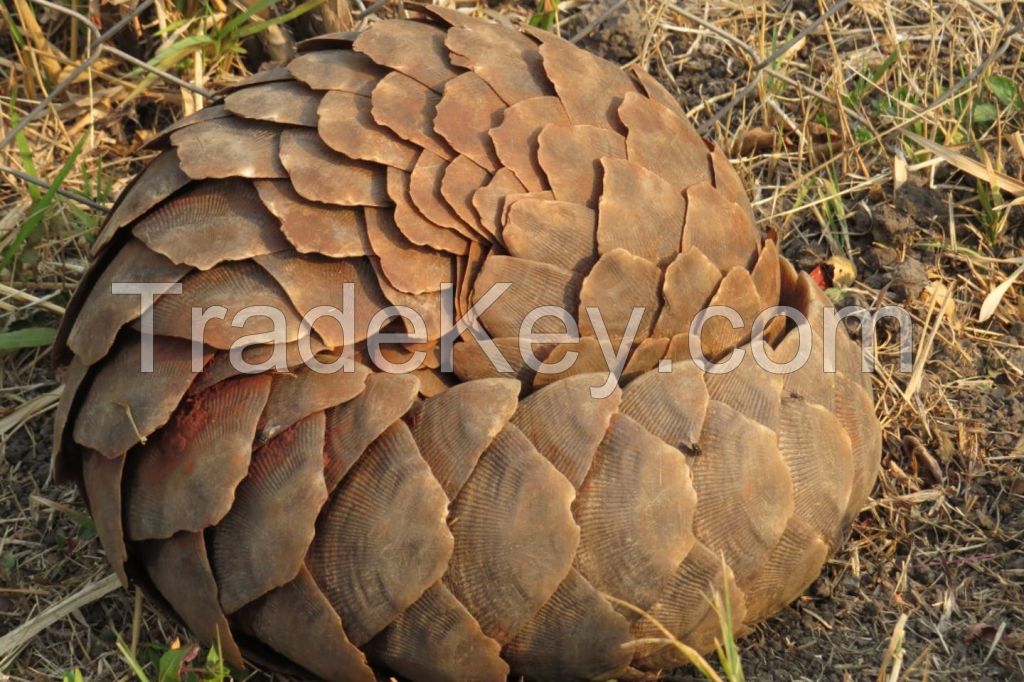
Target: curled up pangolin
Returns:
[[463, 518]]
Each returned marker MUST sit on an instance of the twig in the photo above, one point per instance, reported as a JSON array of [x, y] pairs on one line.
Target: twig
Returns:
[[13, 641], [589, 28]]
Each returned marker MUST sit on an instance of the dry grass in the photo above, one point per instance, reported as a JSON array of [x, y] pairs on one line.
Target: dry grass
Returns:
[[886, 133]]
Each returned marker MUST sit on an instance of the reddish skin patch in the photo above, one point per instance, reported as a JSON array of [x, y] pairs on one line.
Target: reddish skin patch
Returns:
[[820, 276]]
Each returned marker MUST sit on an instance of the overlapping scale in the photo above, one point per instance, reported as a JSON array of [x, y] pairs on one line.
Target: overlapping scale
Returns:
[[311, 227], [296, 620], [671, 405], [736, 296], [352, 426], [75, 374], [101, 476], [619, 297], [427, 306], [506, 60], [413, 225], [466, 112], [408, 108], [461, 179], [287, 102], [437, 639], [514, 535], [789, 570], [184, 478], [229, 147], [346, 124], [690, 282], [408, 267], [749, 389], [570, 157], [635, 511], [319, 173], [382, 540], [123, 406], [471, 361], [336, 278], [556, 232], [639, 212], [745, 493], [337, 70], [687, 610], [537, 285], [180, 571], [452, 431], [515, 138], [261, 543], [298, 394], [580, 356], [854, 410], [708, 216], [425, 191], [159, 180], [816, 450], [575, 635], [662, 142], [238, 300], [102, 317], [412, 48], [591, 89], [226, 212], [566, 423], [489, 201]]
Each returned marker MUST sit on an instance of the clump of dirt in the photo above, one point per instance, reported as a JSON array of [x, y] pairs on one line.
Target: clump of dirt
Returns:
[[621, 33]]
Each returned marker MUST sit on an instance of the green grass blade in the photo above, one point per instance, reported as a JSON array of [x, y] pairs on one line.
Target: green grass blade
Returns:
[[234, 22], [35, 219], [30, 337], [261, 26], [140, 674]]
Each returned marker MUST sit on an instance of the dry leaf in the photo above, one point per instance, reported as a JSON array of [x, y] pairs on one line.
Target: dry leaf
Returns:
[[969, 165], [991, 302], [755, 140]]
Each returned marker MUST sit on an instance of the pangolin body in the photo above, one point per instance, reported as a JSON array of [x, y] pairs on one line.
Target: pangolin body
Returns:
[[485, 521]]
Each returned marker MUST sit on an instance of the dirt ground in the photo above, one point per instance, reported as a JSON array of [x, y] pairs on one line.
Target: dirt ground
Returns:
[[888, 135]]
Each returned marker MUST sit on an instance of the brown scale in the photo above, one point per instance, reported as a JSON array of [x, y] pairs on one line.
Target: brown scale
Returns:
[[160, 179], [291, 271], [180, 571], [288, 102], [425, 191], [462, 178], [102, 317], [484, 523], [275, 506], [230, 147], [236, 287], [413, 225], [571, 358], [225, 212], [571, 157], [297, 621], [489, 201], [556, 232], [320, 174], [312, 227], [184, 477]]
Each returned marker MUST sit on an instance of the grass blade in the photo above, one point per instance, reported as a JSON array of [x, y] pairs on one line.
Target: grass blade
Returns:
[[39, 207], [30, 337]]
